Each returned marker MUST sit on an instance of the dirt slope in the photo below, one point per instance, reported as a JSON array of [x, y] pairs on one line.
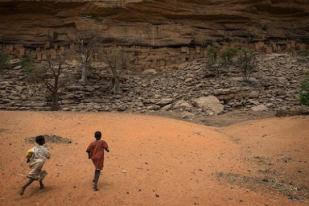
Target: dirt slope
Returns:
[[158, 161]]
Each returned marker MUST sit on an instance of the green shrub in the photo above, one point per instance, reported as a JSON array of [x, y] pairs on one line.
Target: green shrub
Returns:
[[303, 55], [4, 61], [213, 59], [212, 55], [247, 62], [227, 55], [304, 92], [219, 60], [27, 64]]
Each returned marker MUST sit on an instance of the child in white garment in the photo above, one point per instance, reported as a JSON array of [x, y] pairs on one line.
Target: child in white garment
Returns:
[[36, 158]]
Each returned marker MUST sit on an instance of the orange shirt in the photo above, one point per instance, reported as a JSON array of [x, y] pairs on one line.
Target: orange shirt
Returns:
[[96, 151]]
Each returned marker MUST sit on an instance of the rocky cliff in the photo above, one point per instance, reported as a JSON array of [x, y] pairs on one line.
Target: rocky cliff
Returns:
[[156, 23]]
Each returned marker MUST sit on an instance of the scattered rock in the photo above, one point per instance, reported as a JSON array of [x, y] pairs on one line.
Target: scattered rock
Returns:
[[259, 108], [165, 101], [182, 104], [275, 86], [187, 115], [209, 103], [150, 72], [167, 107]]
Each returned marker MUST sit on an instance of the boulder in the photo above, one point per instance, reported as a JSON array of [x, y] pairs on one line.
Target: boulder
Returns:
[[182, 104], [167, 107], [165, 101], [150, 72], [259, 108], [153, 107], [187, 115], [209, 103]]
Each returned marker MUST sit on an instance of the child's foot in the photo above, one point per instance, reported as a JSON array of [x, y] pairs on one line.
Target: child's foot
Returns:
[[42, 186], [21, 192], [95, 187]]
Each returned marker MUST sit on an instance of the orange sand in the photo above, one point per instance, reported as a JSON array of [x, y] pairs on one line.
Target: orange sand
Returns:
[[153, 160]]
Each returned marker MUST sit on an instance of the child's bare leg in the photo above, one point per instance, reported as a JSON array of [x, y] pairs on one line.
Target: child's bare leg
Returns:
[[41, 184], [96, 179], [42, 176], [94, 176], [30, 180]]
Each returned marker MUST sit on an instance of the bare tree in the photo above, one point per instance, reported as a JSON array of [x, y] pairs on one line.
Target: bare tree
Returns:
[[50, 75], [86, 50], [54, 69], [116, 59]]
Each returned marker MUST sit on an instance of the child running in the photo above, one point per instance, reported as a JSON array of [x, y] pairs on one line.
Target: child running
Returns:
[[96, 153], [36, 158]]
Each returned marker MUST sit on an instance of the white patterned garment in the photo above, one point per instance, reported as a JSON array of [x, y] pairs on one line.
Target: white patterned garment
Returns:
[[39, 155]]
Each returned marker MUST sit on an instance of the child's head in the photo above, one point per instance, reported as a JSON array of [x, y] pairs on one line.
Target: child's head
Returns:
[[40, 140], [97, 135]]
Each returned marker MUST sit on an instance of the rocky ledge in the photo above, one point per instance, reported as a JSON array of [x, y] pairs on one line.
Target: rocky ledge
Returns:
[[189, 91]]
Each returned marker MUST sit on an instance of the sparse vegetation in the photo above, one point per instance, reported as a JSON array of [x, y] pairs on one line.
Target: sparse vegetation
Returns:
[[303, 55], [212, 59], [304, 92], [116, 59], [227, 55], [86, 50], [4, 61], [53, 72], [219, 60], [27, 64], [247, 63], [50, 75]]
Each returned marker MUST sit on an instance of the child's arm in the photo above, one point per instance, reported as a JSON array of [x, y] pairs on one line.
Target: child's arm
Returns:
[[89, 151], [106, 146], [47, 154], [29, 155], [89, 154]]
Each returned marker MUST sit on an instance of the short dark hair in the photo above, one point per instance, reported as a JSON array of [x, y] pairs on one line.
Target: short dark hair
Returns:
[[40, 140], [98, 135]]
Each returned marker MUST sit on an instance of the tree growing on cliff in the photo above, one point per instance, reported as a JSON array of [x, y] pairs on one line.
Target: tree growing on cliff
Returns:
[[116, 59], [227, 56], [212, 59], [247, 63], [53, 82], [4, 61], [86, 48], [50, 75], [304, 92], [27, 64], [220, 59]]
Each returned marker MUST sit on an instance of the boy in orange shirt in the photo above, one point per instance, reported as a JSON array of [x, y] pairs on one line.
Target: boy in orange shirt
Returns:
[[96, 153]]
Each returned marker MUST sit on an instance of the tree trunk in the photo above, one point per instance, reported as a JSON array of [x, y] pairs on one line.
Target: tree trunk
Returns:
[[115, 85], [115, 81], [55, 95], [55, 104], [84, 74]]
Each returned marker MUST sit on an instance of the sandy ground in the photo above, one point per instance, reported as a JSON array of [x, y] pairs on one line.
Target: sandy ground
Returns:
[[159, 161]]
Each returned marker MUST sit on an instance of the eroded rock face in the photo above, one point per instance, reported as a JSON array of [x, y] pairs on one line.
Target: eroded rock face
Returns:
[[155, 23]]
